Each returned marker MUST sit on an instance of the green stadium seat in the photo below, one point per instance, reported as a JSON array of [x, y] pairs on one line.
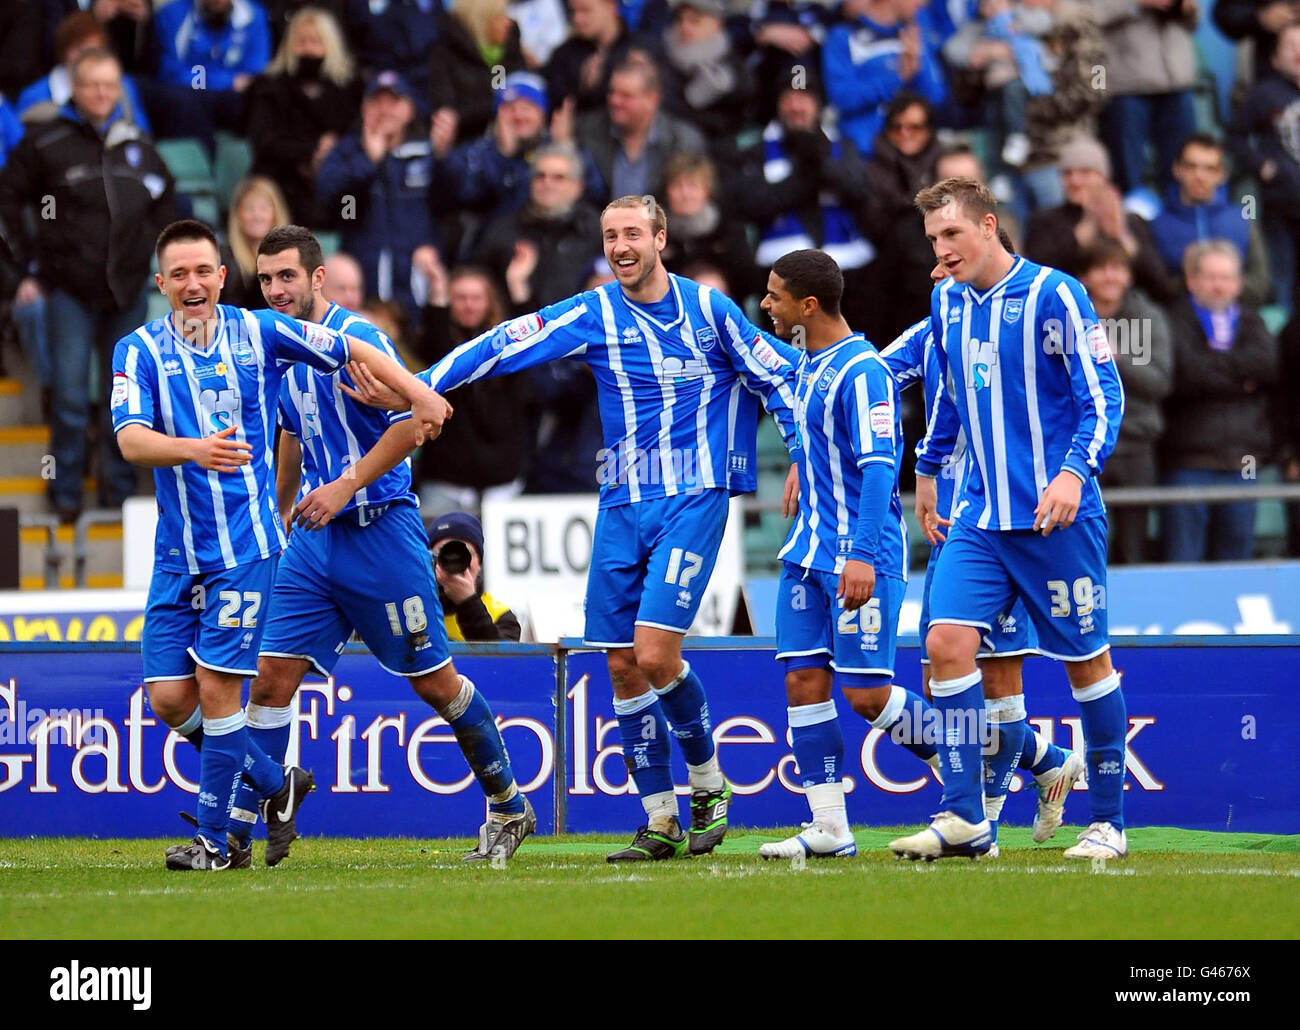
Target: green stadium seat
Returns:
[[234, 159], [190, 167], [1274, 316], [158, 305], [330, 242], [771, 448]]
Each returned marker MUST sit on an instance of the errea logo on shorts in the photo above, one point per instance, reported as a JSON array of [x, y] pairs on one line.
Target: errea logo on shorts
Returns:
[[103, 983]]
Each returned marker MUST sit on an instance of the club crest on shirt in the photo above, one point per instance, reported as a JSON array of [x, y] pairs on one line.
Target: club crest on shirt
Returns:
[[243, 354], [828, 377], [1012, 310], [705, 338]]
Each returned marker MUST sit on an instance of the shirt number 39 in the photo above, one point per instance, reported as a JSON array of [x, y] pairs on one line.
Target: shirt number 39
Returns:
[[1082, 592]]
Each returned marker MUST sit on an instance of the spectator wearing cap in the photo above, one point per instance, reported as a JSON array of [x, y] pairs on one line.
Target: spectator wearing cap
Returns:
[[877, 49], [477, 46], [633, 137], [42, 100], [1094, 208], [1225, 366], [469, 612], [377, 182], [1197, 207], [802, 184], [209, 52], [395, 35], [298, 110], [598, 43], [713, 88], [542, 251], [491, 177]]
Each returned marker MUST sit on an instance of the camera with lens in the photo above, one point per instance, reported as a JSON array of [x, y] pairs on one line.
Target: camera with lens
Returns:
[[454, 557]]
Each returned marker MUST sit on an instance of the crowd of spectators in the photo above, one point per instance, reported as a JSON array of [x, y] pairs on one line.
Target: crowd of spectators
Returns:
[[459, 152]]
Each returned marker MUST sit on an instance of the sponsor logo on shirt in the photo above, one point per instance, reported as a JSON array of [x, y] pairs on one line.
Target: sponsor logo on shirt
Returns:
[[1098, 344], [882, 420], [673, 369], [121, 387], [318, 338], [737, 461], [209, 372], [1013, 309], [954, 316], [522, 328], [631, 334], [767, 356], [172, 367]]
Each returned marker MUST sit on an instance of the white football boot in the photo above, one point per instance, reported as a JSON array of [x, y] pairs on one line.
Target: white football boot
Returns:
[[811, 842], [1100, 840]]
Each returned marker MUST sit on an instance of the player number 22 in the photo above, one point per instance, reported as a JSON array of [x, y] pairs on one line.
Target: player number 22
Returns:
[[1082, 589], [229, 614], [413, 609]]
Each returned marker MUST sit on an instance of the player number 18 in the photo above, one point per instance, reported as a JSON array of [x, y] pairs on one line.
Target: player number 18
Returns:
[[1082, 589], [413, 609]]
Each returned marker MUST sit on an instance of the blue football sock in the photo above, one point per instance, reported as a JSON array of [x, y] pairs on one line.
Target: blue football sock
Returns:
[[1008, 731], [1105, 727], [687, 711], [476, 731], [960, 705], [904, 718], [1039, 754], [644, 732], [225, 742], [817, 742], [268, 732]]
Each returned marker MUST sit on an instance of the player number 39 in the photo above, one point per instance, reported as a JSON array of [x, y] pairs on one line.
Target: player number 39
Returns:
[[1061, 590]]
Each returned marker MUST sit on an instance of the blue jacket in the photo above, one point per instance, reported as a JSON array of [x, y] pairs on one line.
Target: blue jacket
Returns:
[[860, 67], [384, 210], [1178, 225], [396, 34], [55, 89], [243, 47]]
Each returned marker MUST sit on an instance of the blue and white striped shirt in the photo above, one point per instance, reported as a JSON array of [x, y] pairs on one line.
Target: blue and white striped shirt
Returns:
[[216, 520], [676, 382], [846, 415], [336, 432], [911, 360], [1032, 384]]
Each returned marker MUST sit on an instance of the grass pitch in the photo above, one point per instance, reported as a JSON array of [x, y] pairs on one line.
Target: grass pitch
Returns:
[[1174, 884]]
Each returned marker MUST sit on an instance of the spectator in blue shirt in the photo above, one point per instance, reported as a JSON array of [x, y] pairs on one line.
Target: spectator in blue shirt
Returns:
[[210, 50], [11, 130], [42, 100], [876, 50]]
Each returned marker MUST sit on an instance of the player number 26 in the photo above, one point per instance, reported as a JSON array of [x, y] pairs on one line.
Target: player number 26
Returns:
[[228, 616], [413, 610], [1082, 589], [869, 614]]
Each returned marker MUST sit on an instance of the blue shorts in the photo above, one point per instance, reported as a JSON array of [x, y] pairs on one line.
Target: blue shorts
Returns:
[[1060, 578], [213, 619], [376, 579], [1012, 633], [814, 631], [650, 565]]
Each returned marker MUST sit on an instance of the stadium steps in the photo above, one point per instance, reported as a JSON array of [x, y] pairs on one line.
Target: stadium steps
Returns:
[[103, 556]]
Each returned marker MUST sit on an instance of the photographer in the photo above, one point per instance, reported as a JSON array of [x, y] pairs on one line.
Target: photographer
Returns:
[[456, 546]]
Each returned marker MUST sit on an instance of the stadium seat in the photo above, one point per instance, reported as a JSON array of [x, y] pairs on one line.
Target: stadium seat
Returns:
[[189, 165], [234, 159], [1274, 316], [158, 305], [1270, 520], [329, 241]]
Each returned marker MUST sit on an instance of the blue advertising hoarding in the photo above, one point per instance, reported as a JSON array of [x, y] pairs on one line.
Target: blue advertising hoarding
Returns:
[[1212, 726]]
